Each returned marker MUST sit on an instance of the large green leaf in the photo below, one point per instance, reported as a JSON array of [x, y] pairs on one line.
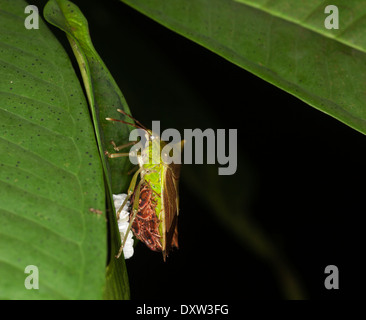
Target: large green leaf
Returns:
[[51, 174], [104, 98], [283, 42], [311, 15]]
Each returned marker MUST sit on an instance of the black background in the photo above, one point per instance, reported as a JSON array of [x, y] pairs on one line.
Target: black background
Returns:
[[307, 170]]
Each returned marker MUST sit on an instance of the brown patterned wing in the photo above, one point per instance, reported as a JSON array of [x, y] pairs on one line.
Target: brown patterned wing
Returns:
[[171, 205]]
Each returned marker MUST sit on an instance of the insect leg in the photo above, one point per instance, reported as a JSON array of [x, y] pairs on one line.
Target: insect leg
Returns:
[[116, 155], [130, 191], [132, 170], [135, 209], [118, 148]]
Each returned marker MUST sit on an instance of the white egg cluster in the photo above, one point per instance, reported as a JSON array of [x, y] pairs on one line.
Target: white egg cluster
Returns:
[[123, 224]]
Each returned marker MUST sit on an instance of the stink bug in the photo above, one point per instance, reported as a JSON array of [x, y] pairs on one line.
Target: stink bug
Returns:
[[155, 200]]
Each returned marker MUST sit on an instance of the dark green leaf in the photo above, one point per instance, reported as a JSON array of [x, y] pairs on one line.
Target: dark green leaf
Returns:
[[51, 174], [283, 42], [104, 97]]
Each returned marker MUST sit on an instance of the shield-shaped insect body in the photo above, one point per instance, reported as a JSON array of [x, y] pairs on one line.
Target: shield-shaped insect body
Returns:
[[155, 196]]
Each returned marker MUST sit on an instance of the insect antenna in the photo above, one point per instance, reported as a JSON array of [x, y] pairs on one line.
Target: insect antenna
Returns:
[[131, 117], [139, 125], [125, 122]]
